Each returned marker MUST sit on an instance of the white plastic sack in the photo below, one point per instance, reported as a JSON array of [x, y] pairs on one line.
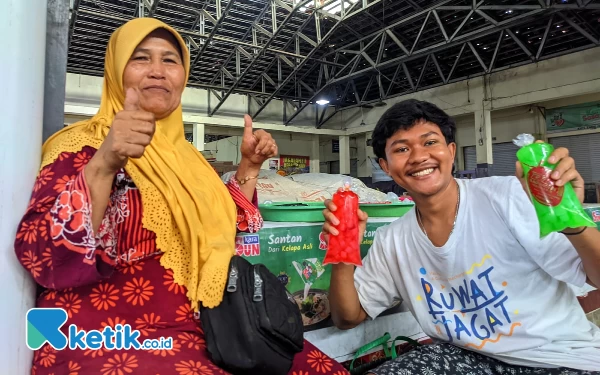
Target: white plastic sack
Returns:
[[307, 187], [330, 183]]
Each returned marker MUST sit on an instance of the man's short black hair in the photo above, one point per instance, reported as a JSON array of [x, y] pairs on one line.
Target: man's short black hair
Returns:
[[403, 116]]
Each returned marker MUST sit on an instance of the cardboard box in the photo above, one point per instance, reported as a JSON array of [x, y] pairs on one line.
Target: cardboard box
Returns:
[[222, 167]]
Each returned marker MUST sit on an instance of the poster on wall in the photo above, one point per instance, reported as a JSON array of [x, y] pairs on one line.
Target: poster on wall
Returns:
[[571, 118], [273, 164], [294, 253], [290, 165]]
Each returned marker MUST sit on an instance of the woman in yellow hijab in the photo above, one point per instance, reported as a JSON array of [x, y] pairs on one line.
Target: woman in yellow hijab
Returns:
[[130, 227]]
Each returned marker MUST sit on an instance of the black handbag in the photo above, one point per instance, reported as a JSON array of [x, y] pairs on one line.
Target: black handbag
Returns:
[[257, 328]]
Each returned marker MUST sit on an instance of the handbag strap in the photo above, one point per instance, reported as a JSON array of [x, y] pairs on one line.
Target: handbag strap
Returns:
[[382, 341], [403, 338]]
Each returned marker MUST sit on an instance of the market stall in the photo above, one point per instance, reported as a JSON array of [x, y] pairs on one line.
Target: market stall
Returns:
[[294, 252], [292, 246]]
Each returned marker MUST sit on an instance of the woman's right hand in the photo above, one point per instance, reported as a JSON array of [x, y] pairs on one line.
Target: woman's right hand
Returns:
[[131, 131], [331, 221]]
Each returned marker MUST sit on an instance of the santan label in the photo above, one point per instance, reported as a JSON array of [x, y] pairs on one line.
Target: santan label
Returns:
[[288, 243], [368, 237]]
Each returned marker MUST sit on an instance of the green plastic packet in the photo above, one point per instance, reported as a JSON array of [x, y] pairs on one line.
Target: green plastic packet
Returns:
[[557, 207]]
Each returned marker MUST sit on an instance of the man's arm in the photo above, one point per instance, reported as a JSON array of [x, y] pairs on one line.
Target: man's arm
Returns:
[[373, 280], [346, 310], [587, 245]]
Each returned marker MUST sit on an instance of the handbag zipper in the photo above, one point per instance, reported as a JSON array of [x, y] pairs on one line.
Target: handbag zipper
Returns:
[[258, 294], [232, 282]]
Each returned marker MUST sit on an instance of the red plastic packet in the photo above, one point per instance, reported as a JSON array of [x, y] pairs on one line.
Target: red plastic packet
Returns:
[[344, 248]]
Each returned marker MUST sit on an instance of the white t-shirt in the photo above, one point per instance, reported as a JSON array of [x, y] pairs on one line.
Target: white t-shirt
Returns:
[[495, 287]]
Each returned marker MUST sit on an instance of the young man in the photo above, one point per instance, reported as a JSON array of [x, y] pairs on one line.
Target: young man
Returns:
[[469, 263]]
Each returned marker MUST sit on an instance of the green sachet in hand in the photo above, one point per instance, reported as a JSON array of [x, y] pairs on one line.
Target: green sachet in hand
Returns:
[[557, 207]]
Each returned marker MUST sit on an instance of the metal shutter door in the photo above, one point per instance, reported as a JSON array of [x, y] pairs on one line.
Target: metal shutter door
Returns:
[[334, 167], [323, 167], [354, 167], [470, 155], [505, 157], [585, 149]]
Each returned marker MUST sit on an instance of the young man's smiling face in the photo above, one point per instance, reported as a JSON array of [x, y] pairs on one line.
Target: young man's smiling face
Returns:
[[419, 159]]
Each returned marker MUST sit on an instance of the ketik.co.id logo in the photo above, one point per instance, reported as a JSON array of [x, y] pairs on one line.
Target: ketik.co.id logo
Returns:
[[44, 324]]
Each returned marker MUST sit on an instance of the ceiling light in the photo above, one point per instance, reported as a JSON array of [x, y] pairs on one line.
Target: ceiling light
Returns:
[[322, 102], [509, 11]]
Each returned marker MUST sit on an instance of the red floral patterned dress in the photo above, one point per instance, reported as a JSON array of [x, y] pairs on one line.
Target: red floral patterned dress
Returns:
[[114, 277]]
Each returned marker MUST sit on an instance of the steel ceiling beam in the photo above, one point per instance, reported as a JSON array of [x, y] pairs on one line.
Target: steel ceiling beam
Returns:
[[579, 29], [262, 50], [346, 17], [372, 37], [541, 5], [287, 45], [462, 40], [216, 24], [402, 21], [73, 20], [92, 22], [246, 35], [302, 63], [470, 36], [521, 44], [497, 49], [153, 8], [223, 40]]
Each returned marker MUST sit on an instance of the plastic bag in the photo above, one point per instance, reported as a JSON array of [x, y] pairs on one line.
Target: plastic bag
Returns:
[[344, 248], [557, 207]]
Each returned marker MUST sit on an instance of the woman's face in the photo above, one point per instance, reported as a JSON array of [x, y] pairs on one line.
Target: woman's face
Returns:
[[155, 70]]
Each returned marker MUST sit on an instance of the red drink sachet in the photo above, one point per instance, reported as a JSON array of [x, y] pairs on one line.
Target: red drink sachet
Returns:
[[344, 248]]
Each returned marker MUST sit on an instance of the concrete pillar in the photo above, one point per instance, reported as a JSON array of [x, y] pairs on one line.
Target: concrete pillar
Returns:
[[362, 156], [315, 151], [345, 154], [540, 125], [198, 136], [460, 158], [23, 27], [483, 139]]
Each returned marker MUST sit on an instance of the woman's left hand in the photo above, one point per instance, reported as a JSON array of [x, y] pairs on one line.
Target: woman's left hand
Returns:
[[257, 146], [563, 173]]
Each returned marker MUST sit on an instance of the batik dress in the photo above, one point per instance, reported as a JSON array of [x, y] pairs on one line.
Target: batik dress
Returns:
[[114, 277]]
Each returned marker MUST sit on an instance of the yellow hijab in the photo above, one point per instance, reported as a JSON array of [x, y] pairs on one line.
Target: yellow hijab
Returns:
[[185, 203]]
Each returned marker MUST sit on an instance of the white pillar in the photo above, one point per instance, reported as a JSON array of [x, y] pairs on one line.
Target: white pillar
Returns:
[[23, 45], [345, 154], [483, 139], [315, 159], [540, 125], [198, 136], [362, 156]]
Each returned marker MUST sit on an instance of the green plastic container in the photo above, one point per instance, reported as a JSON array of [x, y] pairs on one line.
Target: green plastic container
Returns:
[[299, 212], [386, 210], [312, 212]]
